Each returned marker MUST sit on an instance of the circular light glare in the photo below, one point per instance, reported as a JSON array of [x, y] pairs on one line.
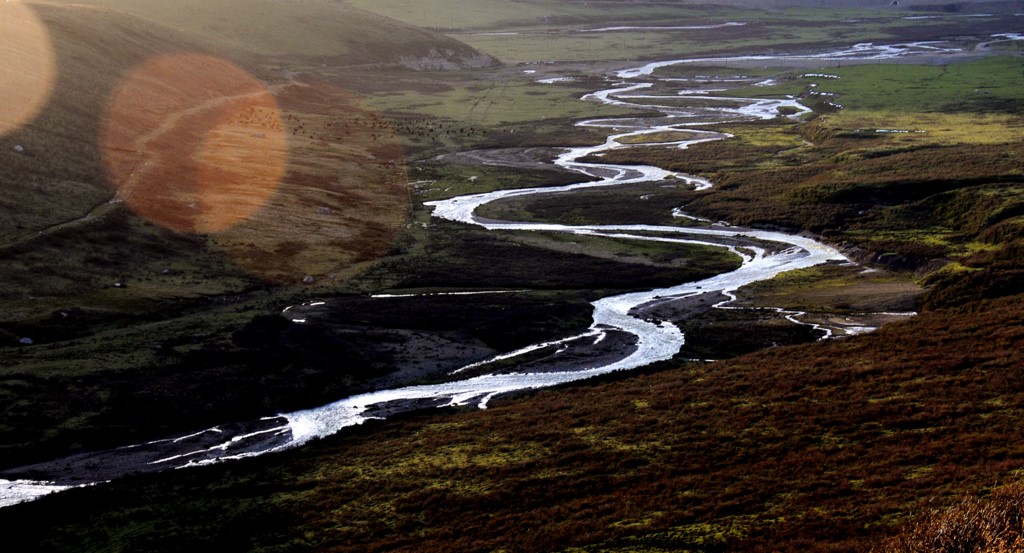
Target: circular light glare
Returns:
[[193, 143], [27, 69], [343, 201]]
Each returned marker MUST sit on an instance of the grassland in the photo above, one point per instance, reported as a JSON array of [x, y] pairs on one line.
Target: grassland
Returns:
[[823, 447], [498, 103], [546, 31], [988, 87]]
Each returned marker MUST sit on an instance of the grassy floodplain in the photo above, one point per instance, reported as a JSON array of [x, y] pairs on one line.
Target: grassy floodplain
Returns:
[[821, 447], [914, 151], [499, 103], [550, 31], [983, 88]]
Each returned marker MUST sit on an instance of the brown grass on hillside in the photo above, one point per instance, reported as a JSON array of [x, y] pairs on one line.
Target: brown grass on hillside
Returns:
[[343, 196], [975, 525], [290, 181], [819, 448], [193, 143], [792, 449]]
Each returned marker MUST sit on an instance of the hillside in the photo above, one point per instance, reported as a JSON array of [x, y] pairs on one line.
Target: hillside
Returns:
[[307, 31], [78, 145], [820, 448], [90, 49], [96, 130], [161, 188]]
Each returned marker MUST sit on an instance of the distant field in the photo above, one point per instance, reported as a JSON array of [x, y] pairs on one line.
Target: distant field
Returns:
[[497, 102], [522, 14], [991, 84], [808, 30], [971, 102], [546, 30]]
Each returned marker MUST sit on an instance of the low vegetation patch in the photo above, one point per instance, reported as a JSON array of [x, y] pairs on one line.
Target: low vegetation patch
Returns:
[[994, 523]]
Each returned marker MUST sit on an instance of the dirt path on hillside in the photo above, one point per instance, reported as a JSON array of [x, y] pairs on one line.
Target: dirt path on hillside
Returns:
[[173, 121]]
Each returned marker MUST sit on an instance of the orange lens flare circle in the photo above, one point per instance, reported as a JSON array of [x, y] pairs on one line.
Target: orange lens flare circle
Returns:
[[28, 70], [343, 201], [193, 143]]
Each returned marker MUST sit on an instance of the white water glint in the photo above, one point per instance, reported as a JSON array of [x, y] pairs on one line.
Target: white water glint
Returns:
[[429, 294], [666, 27], [553, 80], [13, 492], [866, 51], [764, 255]]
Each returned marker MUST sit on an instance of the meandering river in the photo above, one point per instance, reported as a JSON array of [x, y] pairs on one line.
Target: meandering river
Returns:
[[640, 339]]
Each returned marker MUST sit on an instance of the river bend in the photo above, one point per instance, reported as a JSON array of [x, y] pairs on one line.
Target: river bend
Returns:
[[623, 319]]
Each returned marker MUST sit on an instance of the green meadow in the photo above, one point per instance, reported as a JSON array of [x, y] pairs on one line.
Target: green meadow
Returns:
[[979, 86], [499, 103]]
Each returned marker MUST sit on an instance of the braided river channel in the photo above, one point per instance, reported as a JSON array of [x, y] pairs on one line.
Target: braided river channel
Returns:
[[625, 333]]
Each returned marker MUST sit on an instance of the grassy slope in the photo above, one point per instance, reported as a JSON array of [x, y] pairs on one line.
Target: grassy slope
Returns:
[[120, 351], [332, 32], [96, 48], [327, 133], [109, 363]]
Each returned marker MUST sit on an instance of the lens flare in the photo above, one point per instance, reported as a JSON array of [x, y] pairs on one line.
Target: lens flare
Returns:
[[343, 200], [28, 70], [193, 143]]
